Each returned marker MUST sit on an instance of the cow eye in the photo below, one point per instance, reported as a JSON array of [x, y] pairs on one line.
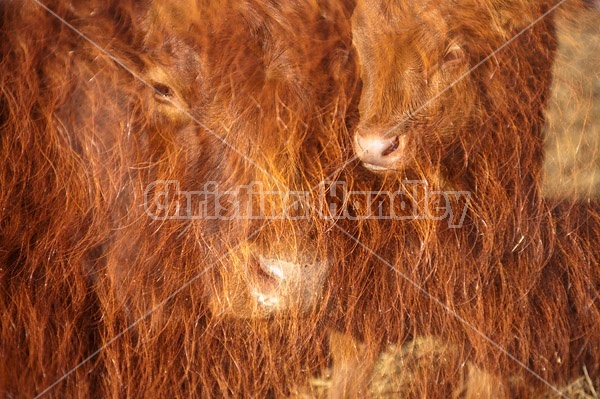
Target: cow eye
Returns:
[[454, 55], [163, 91]]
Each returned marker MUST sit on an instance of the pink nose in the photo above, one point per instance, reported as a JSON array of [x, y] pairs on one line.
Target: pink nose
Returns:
[[378, 153]]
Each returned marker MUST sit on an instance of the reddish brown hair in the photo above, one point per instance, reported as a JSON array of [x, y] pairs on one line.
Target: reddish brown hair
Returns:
[[463, 86], [99, 297], [118, 303]]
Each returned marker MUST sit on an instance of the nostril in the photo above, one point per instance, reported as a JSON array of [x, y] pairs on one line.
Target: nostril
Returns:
[[378, 152], [375, 146], [393, 147]]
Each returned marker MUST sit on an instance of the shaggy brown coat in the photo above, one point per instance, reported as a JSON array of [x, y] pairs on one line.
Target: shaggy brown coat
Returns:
[[462, 86], [98, 298]]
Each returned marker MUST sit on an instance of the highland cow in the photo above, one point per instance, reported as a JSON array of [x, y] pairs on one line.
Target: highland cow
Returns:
[[453, 95], [111, 284], [123, 273]]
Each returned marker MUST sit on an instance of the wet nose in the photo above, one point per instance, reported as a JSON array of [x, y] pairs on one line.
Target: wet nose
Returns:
[[376, 152]]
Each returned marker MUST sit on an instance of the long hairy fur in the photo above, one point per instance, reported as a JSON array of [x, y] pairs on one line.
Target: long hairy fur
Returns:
[[99, 299], [515, 288], [105, 293]]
